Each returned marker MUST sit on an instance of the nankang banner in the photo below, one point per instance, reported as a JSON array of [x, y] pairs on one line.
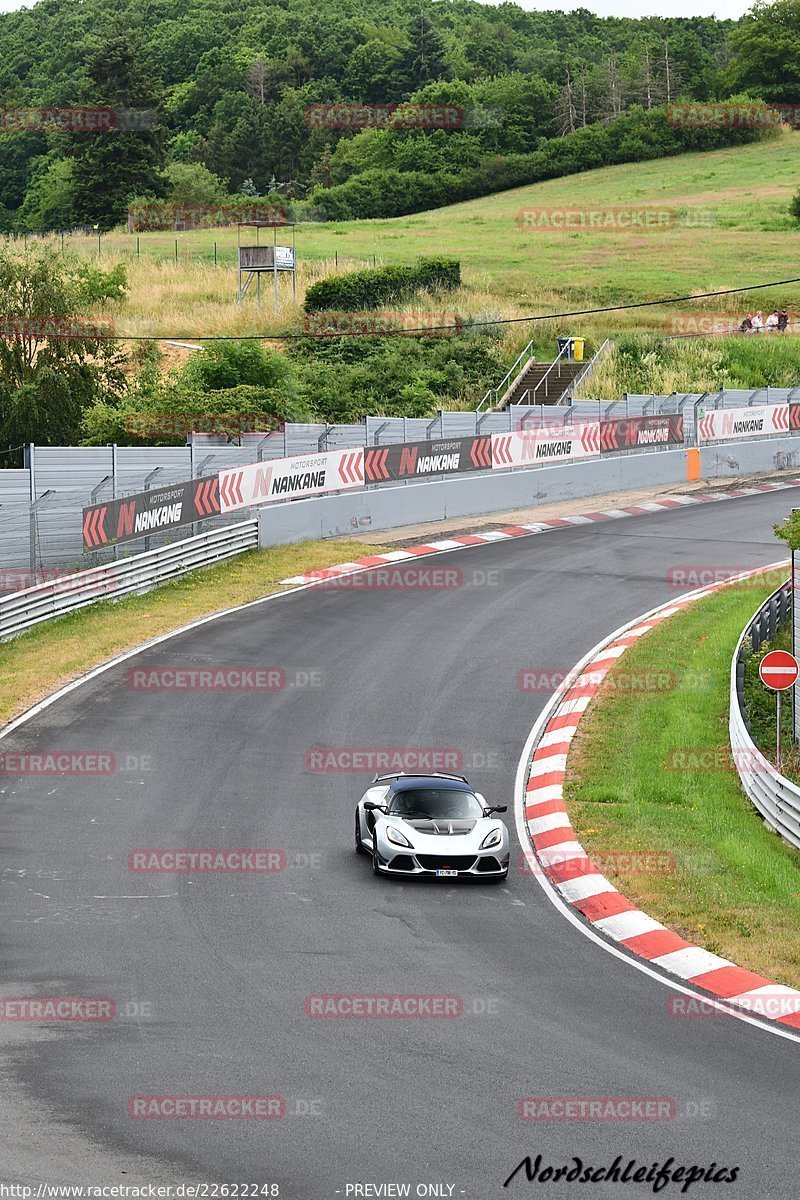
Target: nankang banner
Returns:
[[441, 457], [291, 478], [529, 447], [630, 433], [131, 517], [724, 423]]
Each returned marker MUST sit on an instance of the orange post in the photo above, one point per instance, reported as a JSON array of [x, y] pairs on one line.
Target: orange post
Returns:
[[692, 465]]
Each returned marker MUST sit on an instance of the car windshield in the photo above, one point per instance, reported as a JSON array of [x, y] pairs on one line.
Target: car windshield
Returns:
[[435, 802]]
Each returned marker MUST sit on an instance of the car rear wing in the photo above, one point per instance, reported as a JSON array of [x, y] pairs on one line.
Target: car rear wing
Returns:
[[419, 775]]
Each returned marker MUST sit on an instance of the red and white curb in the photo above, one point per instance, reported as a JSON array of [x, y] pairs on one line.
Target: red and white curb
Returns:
[[516, 531], [560, 861]]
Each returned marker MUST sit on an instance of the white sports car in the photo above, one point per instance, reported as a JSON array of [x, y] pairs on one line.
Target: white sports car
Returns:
[[433, 825]]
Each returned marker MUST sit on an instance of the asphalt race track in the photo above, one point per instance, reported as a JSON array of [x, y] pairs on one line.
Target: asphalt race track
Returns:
[[223, 963]]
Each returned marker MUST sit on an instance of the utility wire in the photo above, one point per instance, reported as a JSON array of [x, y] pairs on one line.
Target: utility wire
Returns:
[[291, 335], [579, 312]]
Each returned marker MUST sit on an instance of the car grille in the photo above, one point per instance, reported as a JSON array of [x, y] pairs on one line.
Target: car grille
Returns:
[[439, 862], [402, 862], [489, 864]]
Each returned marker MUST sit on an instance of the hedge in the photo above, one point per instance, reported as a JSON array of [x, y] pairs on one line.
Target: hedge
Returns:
[[636, 136], [376, 286]]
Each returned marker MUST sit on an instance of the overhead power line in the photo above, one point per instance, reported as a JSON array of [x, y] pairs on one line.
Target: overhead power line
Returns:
[[293, 335]]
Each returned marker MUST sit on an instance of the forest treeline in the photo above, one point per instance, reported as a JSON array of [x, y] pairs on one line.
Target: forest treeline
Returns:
[[227, 95]]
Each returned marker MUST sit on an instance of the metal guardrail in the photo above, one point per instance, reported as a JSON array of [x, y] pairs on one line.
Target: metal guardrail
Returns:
[[531, 395], [525, 356], [776, 798], [139, 573], [585, 374]]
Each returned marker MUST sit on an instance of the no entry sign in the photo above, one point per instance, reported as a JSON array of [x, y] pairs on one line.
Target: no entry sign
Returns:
[[778, 670]]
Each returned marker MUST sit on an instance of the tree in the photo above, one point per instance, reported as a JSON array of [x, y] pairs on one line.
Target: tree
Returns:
[[766, 52], [240, 383], [111, 167], [54, 363], [49, 200], [259, 80], [566, 112], [192, 183]]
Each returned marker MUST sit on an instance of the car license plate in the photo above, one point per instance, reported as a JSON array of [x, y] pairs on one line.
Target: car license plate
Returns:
[[448, 873]]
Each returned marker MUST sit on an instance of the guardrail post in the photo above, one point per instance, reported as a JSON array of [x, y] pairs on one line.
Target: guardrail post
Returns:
[[147, 479], [33, 513], [795, 631]]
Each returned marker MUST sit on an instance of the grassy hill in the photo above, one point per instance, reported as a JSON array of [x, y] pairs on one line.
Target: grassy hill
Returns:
[[510, 271]]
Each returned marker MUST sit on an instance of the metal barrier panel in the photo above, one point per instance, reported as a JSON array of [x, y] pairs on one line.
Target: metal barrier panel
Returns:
[[776, 798], [53, 598], [63, 480]]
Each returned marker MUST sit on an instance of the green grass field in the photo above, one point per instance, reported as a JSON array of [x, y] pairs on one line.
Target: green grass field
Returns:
[[735, 888], [512, 272]]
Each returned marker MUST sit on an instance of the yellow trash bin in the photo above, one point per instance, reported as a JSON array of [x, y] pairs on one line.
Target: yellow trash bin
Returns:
[[577, 349]]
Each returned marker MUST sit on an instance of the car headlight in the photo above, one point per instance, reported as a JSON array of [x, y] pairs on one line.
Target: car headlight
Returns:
[[493, 838], [396, 837]]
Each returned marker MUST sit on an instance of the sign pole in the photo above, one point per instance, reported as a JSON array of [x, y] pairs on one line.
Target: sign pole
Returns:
[[778, 671], [274, 269]]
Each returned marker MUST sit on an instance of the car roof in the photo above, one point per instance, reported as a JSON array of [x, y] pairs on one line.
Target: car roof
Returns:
[[413, 782]]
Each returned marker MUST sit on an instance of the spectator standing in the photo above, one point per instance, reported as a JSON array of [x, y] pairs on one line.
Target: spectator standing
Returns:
[[772, 322], [758, 322]]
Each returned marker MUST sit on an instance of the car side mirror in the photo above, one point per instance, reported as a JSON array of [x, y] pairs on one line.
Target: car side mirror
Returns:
[[370, 806], [499, 808]]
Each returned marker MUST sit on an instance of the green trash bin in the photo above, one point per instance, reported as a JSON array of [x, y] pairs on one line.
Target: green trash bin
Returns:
[[565, 344]]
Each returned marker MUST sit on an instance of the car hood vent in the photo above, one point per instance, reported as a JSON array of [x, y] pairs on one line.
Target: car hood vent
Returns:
[[446, 826]]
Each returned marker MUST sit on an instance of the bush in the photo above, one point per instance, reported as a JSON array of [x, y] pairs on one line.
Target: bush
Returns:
[[377, 286], [636, 136]]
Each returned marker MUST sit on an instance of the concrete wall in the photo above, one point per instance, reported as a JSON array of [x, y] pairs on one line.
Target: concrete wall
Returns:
[[747, 458], [391, 507]]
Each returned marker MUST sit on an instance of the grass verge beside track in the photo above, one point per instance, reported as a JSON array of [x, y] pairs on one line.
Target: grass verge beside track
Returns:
[[635, 783], [38, 662]]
